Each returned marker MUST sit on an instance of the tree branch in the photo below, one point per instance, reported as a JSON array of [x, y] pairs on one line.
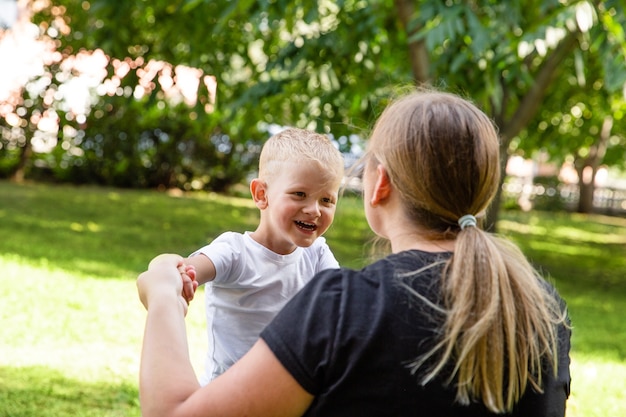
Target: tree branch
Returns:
[[531, 102]]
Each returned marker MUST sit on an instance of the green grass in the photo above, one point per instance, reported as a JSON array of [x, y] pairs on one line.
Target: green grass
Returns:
[[585, 256], [72, 324]]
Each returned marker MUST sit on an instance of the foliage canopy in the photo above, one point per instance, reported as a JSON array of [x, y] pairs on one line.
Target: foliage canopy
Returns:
[[331, 66]]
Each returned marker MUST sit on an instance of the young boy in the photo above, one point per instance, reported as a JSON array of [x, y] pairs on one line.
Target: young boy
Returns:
[[254, 274]]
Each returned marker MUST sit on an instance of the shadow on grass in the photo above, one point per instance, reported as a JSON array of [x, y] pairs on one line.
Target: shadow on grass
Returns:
[[44, 392]]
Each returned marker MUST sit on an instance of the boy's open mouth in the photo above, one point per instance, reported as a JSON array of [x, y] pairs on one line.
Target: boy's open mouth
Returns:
[[305, 226]]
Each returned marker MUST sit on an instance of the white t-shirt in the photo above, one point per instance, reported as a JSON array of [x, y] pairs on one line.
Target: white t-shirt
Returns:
[[251, 285]]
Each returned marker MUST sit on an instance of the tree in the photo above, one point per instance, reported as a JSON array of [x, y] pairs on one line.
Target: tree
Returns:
[[276, 62], [259, 63], [582, 121], [332, 65], [508, 56], [153, 135], [28, 109]]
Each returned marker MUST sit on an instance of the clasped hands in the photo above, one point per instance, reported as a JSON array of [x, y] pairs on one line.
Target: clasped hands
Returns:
[[167, 275]]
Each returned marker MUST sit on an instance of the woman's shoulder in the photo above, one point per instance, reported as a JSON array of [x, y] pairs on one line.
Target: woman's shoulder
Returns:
[[408, 263], [414, 268]]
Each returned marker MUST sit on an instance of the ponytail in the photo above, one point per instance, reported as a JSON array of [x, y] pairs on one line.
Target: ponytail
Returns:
[[499, 328]]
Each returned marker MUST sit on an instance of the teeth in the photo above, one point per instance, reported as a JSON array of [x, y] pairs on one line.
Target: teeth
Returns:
[[304, 225]]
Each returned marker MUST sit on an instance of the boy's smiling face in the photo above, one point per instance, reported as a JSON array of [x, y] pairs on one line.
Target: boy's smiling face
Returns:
[[297, 205]]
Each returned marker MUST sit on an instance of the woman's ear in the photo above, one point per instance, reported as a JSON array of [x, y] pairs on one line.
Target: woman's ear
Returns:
[[382, 186], [258, 189]]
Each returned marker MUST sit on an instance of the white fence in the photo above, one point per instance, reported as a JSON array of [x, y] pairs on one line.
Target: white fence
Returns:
[[608, 201]]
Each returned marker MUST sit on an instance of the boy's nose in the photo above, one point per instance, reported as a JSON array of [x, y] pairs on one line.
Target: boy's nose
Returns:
[[312, 208]]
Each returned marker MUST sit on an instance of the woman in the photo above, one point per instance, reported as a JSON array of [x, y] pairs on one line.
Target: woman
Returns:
[[454, 322]]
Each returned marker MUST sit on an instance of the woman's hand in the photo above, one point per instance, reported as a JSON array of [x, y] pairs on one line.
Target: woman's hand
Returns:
[[167, 277]]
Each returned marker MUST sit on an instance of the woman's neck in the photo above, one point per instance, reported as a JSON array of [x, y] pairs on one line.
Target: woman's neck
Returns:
[[404, 240]]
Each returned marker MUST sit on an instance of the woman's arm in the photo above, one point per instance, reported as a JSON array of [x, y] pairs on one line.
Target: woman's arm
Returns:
[[257, 385]]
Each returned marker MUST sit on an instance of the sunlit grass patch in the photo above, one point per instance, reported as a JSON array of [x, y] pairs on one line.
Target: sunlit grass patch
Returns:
[[87, 328], [598, 387]]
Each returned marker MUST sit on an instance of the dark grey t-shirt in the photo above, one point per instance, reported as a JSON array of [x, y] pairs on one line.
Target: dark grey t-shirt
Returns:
[[348, 337]]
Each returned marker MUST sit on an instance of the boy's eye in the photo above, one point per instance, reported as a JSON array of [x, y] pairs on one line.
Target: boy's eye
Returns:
[[299, 194]]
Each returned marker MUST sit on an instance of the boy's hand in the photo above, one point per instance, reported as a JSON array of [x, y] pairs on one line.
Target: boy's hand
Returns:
[[188, 275]]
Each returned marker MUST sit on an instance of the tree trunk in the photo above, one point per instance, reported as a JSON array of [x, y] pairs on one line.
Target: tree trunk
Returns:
[[588, 168], [19, 173], [528, 107], [585, 194], [418, 55]]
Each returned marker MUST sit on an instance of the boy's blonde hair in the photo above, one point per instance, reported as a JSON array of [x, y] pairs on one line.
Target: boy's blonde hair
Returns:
[[297, 145]]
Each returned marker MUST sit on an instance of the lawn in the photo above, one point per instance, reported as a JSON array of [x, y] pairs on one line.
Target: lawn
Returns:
[[72, 324]]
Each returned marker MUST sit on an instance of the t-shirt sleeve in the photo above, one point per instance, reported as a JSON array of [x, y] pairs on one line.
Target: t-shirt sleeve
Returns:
[[326, 257], [226, 252], [303, 334]]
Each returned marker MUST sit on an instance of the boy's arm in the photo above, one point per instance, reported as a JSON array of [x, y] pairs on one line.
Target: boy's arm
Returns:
[[204, 266]]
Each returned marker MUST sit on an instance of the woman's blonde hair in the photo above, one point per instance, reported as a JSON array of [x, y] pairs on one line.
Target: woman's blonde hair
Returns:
[[499, 320]]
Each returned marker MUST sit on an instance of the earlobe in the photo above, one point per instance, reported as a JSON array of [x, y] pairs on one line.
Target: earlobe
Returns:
[[382, 186], [258, 189]]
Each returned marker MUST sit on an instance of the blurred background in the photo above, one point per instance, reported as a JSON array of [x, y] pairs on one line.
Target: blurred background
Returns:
[[182, 94]]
